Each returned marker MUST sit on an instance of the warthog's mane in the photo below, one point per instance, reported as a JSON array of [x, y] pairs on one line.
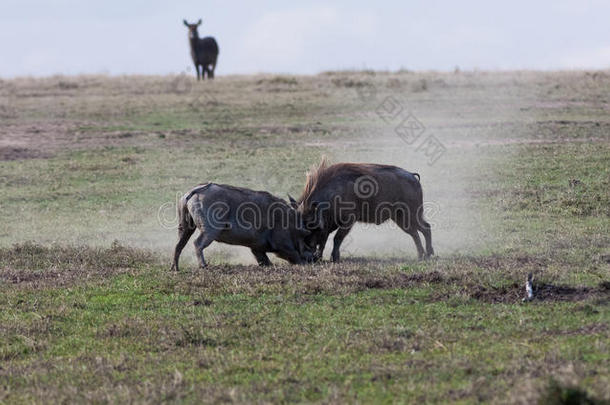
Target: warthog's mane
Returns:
[[322, 174]]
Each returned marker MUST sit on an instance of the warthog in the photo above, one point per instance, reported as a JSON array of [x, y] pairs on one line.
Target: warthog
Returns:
[[239, 216], [335, 197]]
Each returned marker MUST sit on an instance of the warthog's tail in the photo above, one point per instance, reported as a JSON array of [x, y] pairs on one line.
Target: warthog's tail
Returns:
[[194, 191], [186, 225], [423, 225]]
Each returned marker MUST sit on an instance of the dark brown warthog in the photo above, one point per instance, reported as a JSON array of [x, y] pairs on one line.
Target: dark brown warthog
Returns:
[[239, 216], [335, 197]]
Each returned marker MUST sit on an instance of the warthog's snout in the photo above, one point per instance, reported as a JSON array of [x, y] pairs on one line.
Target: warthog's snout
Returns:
[[309, 257]]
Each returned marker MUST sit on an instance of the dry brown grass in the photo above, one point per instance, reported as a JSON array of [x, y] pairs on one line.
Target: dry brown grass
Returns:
[[33, 266]]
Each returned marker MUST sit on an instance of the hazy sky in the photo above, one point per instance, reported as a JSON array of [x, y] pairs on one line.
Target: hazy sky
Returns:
[[147, 36]]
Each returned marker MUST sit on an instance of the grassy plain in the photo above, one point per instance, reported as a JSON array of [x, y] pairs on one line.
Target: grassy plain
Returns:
[[90, 168]]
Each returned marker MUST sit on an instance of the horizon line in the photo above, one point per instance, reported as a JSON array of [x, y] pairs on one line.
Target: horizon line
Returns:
[[456, 70]]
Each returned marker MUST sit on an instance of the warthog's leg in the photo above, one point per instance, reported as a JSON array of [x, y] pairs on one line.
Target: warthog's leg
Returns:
[[424, 227], [203, 241], [321, 244], [339, 236], [184, 234], [420, 249], [261, 258], [411, 228]]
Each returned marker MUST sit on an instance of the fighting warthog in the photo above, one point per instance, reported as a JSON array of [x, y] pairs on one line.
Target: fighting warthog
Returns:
[[239, 216], [335, 197]]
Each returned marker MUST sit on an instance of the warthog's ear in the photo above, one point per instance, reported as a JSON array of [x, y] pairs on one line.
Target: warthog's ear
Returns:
[[185, 23], [293, 202], [199, 22]]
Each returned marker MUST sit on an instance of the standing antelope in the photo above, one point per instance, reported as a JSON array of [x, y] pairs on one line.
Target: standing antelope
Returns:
[[204, 51]]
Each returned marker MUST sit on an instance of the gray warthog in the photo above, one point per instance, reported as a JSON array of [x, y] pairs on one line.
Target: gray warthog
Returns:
[[335, 197], [239, 216]]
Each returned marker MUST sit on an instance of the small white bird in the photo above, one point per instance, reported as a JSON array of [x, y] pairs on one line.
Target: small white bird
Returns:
[[529, 288]]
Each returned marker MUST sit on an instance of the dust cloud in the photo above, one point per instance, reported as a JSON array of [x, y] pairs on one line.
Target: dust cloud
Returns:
[[444, 130]]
